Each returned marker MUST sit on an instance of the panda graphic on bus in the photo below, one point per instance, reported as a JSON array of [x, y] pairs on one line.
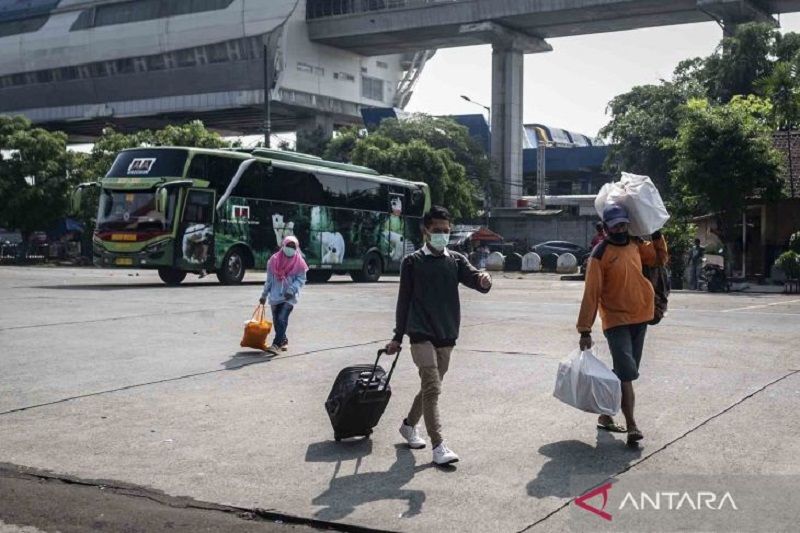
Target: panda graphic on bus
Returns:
[[393, 243]]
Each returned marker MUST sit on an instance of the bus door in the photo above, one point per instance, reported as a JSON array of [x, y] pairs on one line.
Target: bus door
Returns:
[[196, 231], [394, 229]]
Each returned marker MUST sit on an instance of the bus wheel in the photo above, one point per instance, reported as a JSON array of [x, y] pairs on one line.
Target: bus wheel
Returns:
[[318, 276], [171, 276], [371, 270], [231, 271]]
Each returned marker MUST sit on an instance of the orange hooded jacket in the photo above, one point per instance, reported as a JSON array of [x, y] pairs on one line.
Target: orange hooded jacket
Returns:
[[616, 286]]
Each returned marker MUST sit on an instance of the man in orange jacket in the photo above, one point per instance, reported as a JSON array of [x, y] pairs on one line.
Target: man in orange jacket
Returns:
[[625, 299]]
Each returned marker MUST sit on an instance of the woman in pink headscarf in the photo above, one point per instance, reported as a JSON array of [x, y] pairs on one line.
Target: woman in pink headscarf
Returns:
[[286, 275]]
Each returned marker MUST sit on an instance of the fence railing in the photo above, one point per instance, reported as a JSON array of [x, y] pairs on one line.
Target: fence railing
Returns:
[[316, 9]]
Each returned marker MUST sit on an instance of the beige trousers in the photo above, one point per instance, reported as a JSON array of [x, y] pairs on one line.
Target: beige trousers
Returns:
[[432, 363]]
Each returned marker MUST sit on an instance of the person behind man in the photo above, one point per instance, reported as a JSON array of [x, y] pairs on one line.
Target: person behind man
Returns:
[[695, 264], [617, 288], [286, 275], [599, 236], [429, 312]]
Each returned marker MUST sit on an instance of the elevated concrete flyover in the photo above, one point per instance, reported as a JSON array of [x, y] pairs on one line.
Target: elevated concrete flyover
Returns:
[[390, 26], [513, 28]]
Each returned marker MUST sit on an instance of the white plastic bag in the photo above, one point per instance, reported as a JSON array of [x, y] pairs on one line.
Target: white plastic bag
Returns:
[[640, 197], [584, 382]]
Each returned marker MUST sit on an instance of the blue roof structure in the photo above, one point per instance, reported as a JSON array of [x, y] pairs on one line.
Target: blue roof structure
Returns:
[[574, 156]]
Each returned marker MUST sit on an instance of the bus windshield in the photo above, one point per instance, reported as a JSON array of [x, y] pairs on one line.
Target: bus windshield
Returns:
[[133, 211]]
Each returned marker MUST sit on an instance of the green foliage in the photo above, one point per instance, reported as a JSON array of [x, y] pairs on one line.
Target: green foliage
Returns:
[[340, 147], [790, 264], [441, 133], [42, 157], [418, 161], [794, 242], [34, 179], [782, 89], [641, 119], [438, 151], [741, 61], [313, 141], [724, 156], [680, 235]]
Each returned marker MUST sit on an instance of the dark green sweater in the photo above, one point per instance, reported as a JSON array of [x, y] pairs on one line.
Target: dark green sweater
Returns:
[[428, 306]]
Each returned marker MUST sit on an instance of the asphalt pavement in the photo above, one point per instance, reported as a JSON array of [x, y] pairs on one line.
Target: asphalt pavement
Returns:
[[125, 398]]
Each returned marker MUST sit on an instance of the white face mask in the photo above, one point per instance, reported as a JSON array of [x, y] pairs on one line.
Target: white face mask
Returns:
[[289, 251], [439, 241]]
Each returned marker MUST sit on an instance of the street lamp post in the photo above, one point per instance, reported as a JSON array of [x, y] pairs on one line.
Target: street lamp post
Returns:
[[487, 193], [267, 92]]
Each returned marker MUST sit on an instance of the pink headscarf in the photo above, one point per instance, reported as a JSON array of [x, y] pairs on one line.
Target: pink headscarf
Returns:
[[282, 266]]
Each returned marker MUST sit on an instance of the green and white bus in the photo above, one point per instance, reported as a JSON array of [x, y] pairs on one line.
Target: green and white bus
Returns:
[[192, 210]]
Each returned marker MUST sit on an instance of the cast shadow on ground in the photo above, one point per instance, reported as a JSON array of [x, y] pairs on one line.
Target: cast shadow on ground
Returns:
[[568, 458], [124, 287], [250, 357], [345, 493]]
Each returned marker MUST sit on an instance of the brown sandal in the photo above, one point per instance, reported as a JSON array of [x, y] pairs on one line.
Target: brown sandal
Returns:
[[613, 427], [634, 436]]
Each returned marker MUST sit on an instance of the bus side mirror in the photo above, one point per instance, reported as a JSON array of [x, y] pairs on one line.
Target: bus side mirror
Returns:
[[77, 195], [161, 200]]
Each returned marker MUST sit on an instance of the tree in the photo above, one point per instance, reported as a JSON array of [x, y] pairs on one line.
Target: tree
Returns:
[[438, 151], [724, 157], [640, 121], [740, 61], [312, 141], [34, 181], [782, 88], [193, 134], [340, 147], [441, 133], [418, 161]]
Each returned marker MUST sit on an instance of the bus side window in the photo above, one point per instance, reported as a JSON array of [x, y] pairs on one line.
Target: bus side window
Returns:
[[291, 185], [251, 184], [365, 194], [198, 168], [220, 170], [416, 201], [334, 190], [198, 208]]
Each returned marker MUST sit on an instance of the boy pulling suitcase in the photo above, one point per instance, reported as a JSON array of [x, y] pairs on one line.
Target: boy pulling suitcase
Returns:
[[429, 312]]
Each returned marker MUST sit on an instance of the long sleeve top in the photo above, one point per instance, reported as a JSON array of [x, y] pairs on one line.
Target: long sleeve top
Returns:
[[428, 304], [616, 286], [275, 291]]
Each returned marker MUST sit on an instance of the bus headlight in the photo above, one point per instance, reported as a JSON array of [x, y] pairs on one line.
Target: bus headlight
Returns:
[[156, 246]]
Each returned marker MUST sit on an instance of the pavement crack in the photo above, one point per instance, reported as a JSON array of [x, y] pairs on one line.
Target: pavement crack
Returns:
[[664, 447], [179, 378], [502, 352], [178, 502]]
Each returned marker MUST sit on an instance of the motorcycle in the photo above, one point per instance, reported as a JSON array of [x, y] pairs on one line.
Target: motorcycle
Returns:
[[714, 279]]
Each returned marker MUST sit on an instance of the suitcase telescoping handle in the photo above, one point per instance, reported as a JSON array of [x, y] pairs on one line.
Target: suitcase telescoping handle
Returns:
[[375, 367]]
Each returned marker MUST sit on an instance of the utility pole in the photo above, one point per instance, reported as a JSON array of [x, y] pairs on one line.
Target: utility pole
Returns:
[[267, 103], [541, 155], [487, 193]]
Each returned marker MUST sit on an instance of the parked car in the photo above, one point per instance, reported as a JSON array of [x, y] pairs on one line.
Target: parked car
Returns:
[[561, 247]]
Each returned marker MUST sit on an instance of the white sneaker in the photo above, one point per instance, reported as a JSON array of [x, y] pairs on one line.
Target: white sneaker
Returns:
[[442, 455], [415, 442]]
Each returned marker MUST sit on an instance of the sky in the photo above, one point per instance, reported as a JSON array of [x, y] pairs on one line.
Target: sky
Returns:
[[571, 86]]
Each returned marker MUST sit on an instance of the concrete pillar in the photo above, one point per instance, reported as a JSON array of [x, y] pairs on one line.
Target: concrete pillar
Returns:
[[507, 86]]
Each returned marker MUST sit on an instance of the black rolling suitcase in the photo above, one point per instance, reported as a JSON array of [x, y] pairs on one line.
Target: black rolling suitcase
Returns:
[[358, 398]]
